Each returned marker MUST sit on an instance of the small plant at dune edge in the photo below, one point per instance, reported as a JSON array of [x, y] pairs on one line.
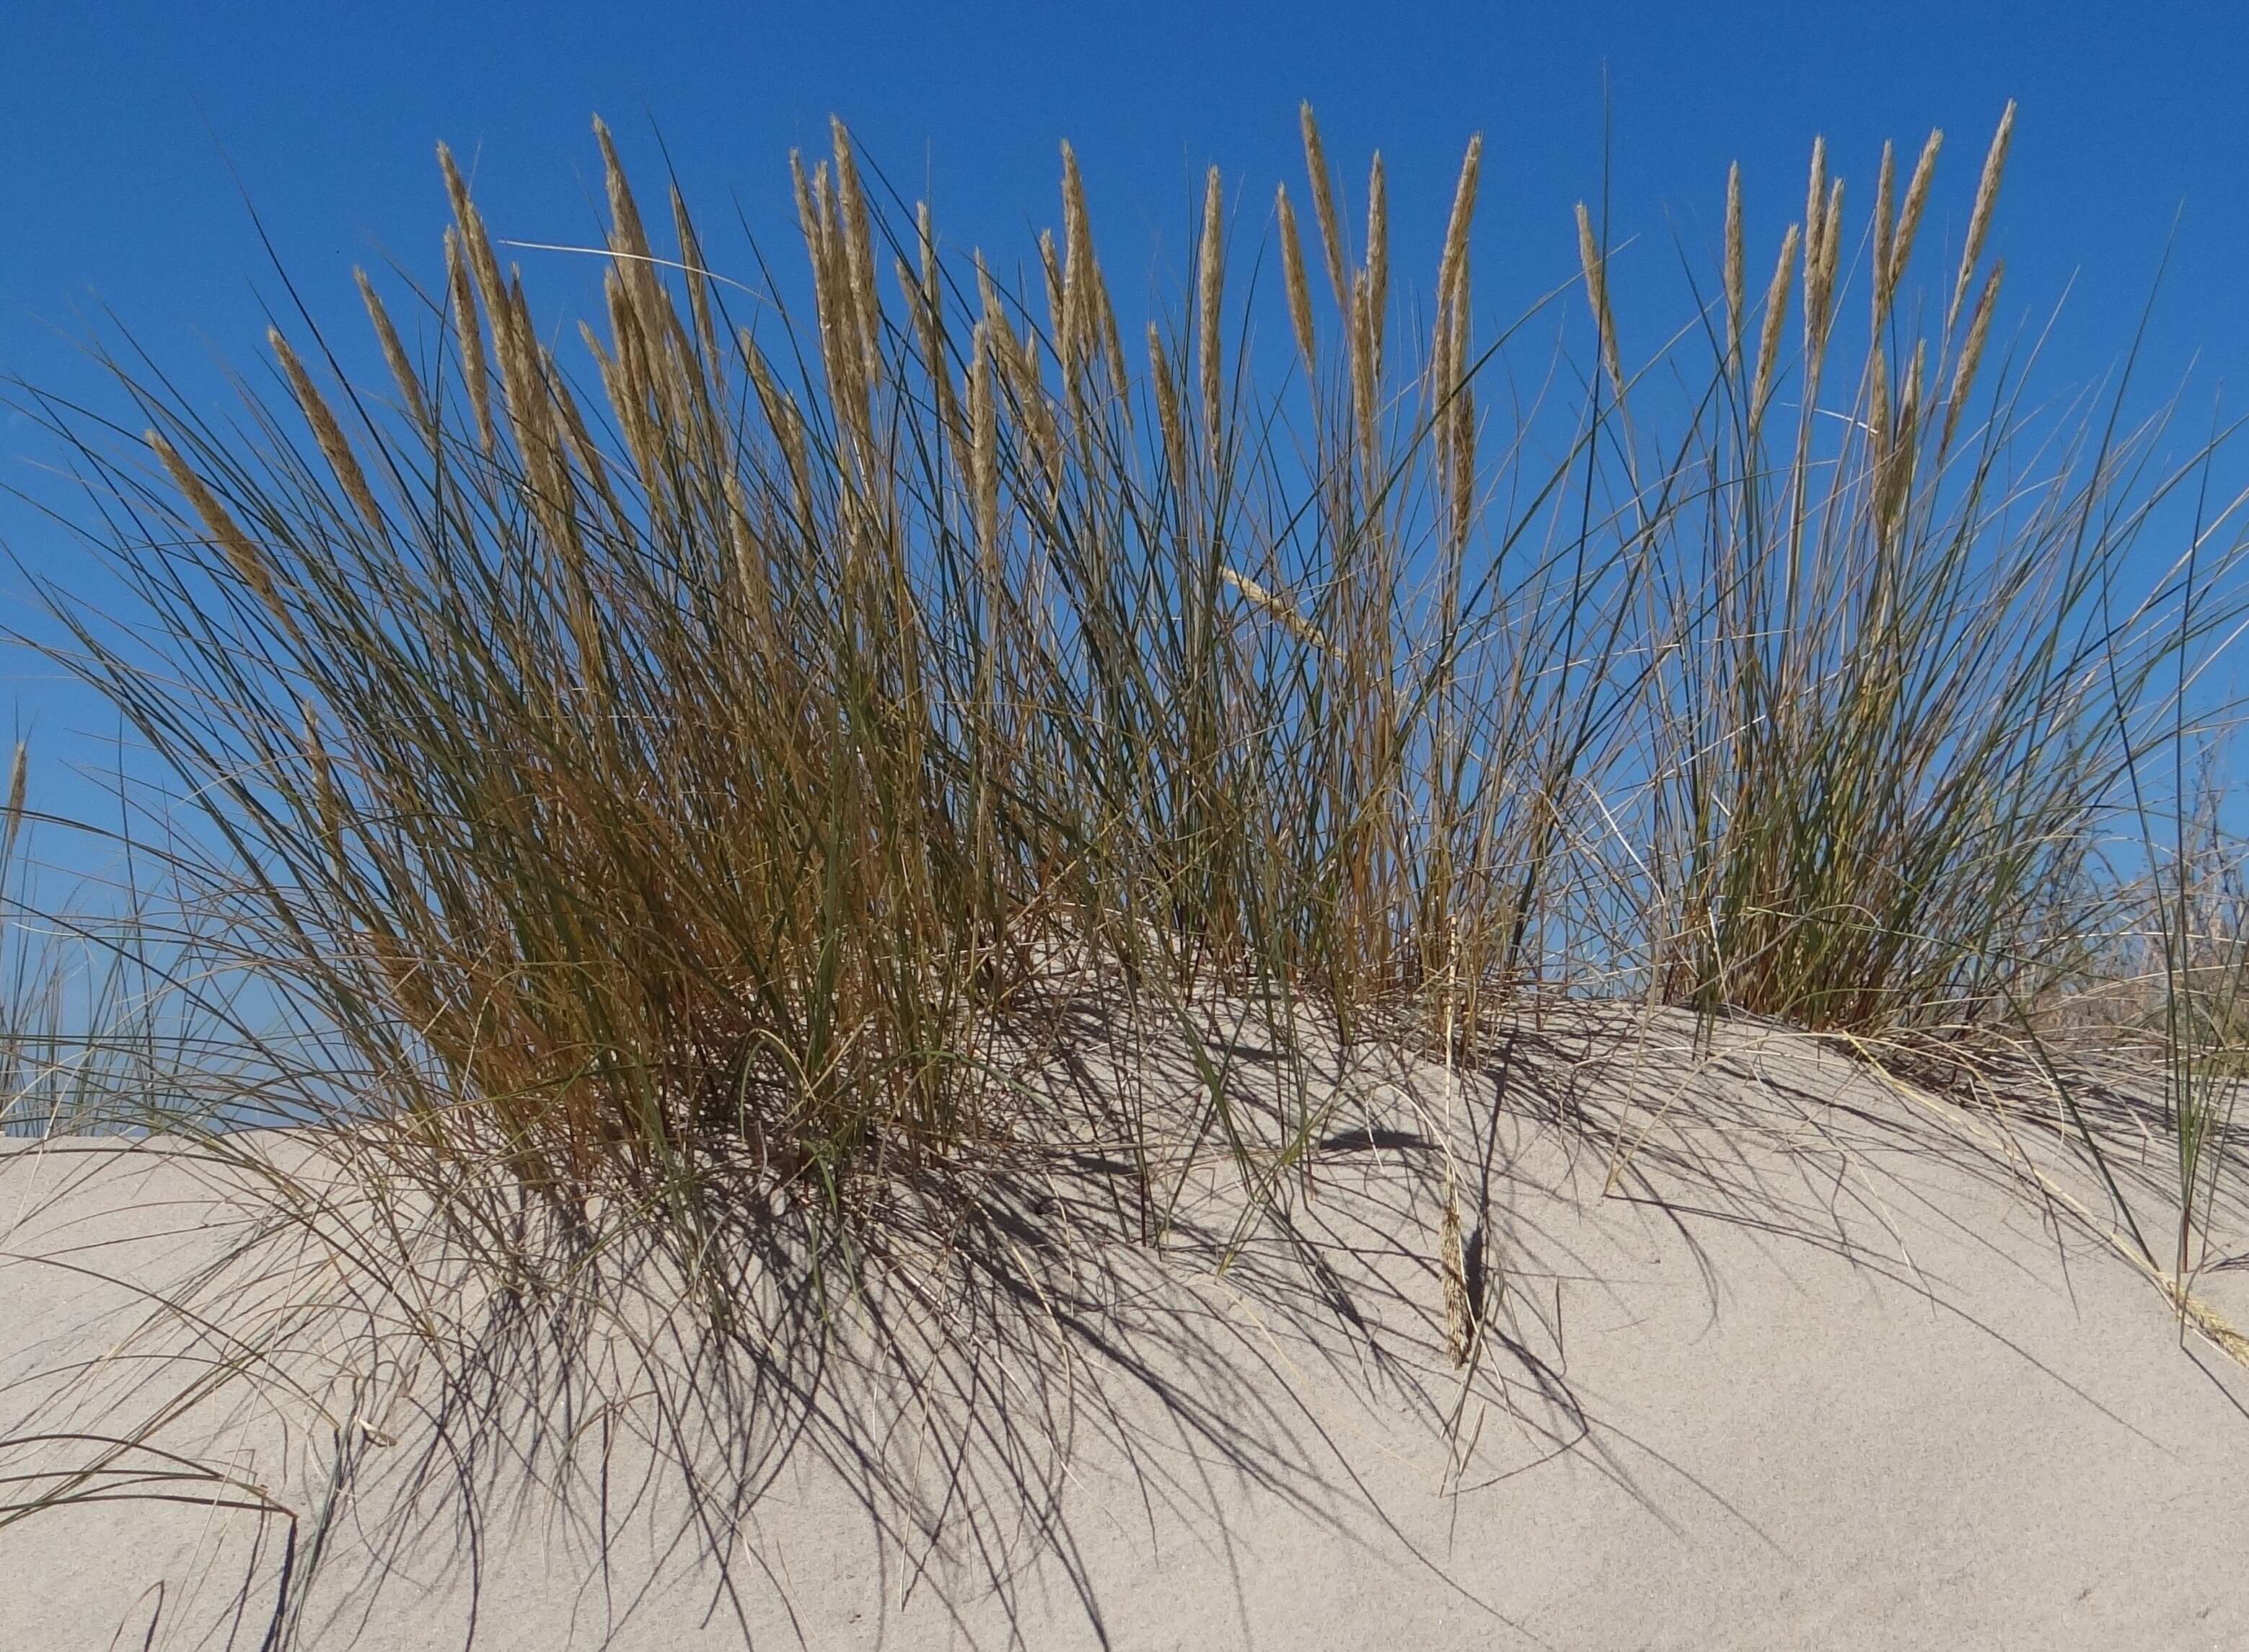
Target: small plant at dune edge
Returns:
[[80, 1049], [2194, 939], [1884, 757], [28, 986], [728, 757]]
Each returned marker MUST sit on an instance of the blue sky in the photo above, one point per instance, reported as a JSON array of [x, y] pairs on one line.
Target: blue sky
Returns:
[[130, 132]]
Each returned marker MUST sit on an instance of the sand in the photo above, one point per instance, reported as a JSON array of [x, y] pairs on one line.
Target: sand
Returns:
[[1824, 1361]]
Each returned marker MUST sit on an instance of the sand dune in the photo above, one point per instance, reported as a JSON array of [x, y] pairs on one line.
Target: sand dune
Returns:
[[1772, 1351]]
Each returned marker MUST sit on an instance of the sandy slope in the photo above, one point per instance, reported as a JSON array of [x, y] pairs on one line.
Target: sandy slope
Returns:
[[1820, 1366]]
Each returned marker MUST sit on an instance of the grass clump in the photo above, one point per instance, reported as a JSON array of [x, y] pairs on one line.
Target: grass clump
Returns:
[[720, 770], [772, 783], [726, 754], [1902, 695]]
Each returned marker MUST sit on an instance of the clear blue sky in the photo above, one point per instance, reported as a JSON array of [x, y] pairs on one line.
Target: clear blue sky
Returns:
[[124, 127]]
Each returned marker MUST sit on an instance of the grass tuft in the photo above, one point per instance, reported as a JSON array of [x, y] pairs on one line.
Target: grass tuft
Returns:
[[751, 797]]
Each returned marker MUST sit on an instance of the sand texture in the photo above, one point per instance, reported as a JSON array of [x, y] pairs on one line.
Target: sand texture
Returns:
[[1770, 1350]]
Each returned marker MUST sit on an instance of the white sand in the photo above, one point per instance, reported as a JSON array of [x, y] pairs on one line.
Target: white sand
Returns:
[[1822, 1370]]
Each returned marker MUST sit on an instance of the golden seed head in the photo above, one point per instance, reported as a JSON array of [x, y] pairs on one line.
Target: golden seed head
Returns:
[[1050, 265], [1592, 262], [1884, 185], [19, 777], [984, 439], [1916, 198], [1972, 353], [249, 563], [470, 333], [1896, 486], [1323, 208], [808, 222], [342, 463], [1299, 288], [394, 352], [1830, 253], [1815, 201], [1819, 279], [1463, 213], [1878, 408], [699, 282], [1278, 608], [1776, 315], [858, 240], [1735, 266], [1112, 344], [482, 262], [1366, 384], [627, 234], [1081, 271], [1210, 294], [1167, 408], [1979, 220], [1460, 1321], [1378, 257]]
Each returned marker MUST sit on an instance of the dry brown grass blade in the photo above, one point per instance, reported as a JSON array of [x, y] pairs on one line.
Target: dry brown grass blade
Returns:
[[2208, 1323], [1460, 1320]]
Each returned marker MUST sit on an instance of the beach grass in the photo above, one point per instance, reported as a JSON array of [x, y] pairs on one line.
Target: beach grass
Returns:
[[704, 776]]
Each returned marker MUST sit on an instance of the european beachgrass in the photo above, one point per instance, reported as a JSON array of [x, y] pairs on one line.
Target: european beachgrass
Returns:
[[723, 811]]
